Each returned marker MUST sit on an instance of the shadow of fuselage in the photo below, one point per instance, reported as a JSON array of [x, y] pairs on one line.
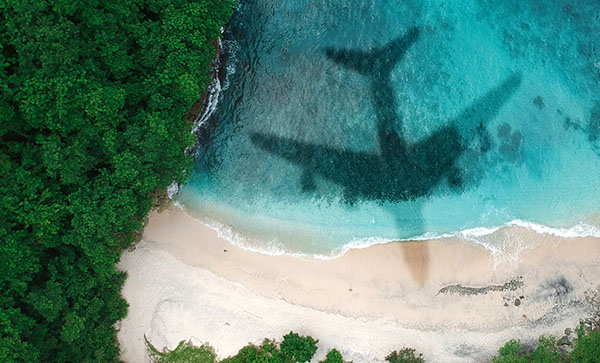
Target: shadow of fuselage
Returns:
[[399, 171]]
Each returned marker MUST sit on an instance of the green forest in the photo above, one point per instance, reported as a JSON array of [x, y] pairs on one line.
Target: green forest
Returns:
[[294, 348], [93, 102]]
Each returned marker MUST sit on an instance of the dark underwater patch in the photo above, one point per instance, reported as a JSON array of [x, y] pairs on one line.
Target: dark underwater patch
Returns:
[[539, 102], [510, 147], [594, 124], [571, 125]]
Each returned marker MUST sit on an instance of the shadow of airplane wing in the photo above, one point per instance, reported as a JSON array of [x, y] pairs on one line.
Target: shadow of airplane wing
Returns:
[[485, 108], [376, 61], [359, 61], [344, 167]]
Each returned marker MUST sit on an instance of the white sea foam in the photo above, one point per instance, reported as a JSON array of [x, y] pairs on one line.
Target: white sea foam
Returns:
[[579, 230], [231, 48], [478, 232], [212, 95], [214, 90], [172, 190], [227, 233], [177, 204], [504, 248]]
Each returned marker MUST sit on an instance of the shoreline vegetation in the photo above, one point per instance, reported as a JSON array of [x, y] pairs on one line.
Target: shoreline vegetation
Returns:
[[93, 134], [584, 347], [93, 103], [185, 282]]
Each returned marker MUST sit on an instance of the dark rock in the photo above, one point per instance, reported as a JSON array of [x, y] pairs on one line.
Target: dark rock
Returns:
[[565, 348], [571, 125], [224, 250], [466, 351], [510, 148], [504, 131], [459, 289], [516, 138], [568, 331], [517, 302], [505, 304], [557, 289], [564, 340], [539, 102], [521, 297]]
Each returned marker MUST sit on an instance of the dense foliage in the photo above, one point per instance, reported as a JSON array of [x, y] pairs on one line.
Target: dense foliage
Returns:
[[299, 349], [92, 99], [183, 353], [267, 352], [334, 356], [405, 355], [585, 349], [587, 346], [293, 349]]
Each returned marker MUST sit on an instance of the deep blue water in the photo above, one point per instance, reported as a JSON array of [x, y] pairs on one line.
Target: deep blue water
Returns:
[[373, 120]]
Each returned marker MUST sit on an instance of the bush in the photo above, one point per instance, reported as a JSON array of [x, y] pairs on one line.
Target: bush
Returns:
[[293, 349], [514, 352], [405, 355], [267, 352], [334, 356], [297, 348], [183, 353], [587, 346]]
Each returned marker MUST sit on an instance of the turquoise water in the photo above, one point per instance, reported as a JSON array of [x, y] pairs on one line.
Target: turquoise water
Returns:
[[380, 120]]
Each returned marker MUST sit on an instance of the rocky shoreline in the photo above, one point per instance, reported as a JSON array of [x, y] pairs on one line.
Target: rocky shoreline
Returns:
[[201, 111]]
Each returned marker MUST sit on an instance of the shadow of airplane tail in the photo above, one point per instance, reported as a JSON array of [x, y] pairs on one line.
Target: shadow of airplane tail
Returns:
[[376, 62]]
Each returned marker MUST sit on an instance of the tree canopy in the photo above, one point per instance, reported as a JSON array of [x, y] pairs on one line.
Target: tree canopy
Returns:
[[294, 348], [334, 356], [92, 99], [584, 348]]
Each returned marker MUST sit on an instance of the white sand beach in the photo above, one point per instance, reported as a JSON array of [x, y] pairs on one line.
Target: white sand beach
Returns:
[[185, 283]]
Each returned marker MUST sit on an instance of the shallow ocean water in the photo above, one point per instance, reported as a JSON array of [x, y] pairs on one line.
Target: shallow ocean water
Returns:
[[373, 121]]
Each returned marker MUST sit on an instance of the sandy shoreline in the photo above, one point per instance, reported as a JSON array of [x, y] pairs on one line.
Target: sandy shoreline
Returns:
[[185, 282]]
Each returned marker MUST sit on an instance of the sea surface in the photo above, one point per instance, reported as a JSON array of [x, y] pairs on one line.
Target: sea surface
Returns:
[[346, 123]]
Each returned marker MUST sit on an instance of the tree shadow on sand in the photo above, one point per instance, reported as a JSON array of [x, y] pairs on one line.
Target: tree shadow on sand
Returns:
[[399, 171]]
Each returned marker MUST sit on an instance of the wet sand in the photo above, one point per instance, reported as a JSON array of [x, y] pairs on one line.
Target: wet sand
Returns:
[[451, 299]]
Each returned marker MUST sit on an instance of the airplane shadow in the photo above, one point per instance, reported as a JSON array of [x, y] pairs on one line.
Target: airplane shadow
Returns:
[[399, 171]]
